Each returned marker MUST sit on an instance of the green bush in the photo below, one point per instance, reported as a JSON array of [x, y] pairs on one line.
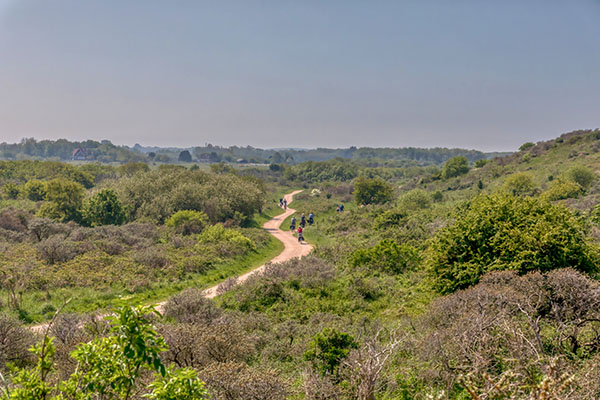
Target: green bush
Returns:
[[187, 222], [104, 208], [387, 256], [416, 199], [582, 175], [328, 349], [503, 232], [519, 184], [526, 146], [372, 191], [228, 241], [35, 190], [64, 199], [10, 190], [481, 163], [455, 166], [561, 190]]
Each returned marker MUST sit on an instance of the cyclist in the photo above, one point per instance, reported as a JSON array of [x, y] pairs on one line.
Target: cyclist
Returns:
[[302, 220], [311, 219], [293, 224], [300, 237]]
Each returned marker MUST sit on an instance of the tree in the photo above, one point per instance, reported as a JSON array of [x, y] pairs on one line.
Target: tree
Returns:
[[187, 222], [372, 191], [526, 146], [501, 231], [104, 208], [387, 256], [455, 166], [64, 199], [10, 190], [327, 350], [185, 156]]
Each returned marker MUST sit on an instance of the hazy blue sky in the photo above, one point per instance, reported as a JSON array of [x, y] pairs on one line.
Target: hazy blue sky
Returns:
[[479, 74]]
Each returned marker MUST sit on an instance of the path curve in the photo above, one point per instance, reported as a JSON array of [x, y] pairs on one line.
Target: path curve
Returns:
[[292, 249]]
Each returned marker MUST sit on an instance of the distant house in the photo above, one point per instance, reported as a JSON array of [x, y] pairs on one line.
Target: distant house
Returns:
[[80, 154]]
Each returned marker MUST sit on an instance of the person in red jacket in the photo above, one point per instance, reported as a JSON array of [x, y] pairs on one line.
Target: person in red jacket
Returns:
[[300, 237]]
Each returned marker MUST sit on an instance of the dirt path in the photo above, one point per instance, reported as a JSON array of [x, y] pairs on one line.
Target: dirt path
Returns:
[[292, 249]]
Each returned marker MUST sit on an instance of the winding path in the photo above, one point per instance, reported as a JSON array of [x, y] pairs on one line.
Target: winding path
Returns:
[[292, 249]]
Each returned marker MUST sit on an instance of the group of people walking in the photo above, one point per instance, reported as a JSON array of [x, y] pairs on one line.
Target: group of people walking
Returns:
[[302, 225]]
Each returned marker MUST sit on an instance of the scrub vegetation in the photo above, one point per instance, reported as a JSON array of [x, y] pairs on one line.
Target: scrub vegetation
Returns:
[[460, 279]]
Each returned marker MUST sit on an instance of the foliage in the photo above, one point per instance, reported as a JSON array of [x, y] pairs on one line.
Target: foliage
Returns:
[[562, 189], [327, 350], [387, 256], [110, 367], [480, 163], [506, 232], [319, 171], [63, 200], [416, 199], [10, 190], [104, 208], [519, 184], [184, 156], [526, 146], [35, 190], [229, 241], [581, 175], [455, 166], [187, 222], [372, 191]]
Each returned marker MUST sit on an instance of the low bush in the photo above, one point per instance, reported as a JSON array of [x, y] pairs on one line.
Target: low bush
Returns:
[[187, 222], [387, 256]]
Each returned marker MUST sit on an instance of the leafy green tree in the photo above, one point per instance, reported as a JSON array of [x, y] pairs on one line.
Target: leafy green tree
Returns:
[[372, 191], [185, 156], [64, 199], [133, 168], [104, 208], [481, 163], [455, 166], [109, 367], [328, 349], [581, 175], [519, 184], [504, 232], [187, 222], [35, 190]]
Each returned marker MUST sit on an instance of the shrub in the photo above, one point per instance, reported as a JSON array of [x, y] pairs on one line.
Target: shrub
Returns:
[[35, 190], [327, 350], [582, 175], [104, 208], [372, 191], [229, 241], [63, 200], [519, 184], [481, 163], [438, 196], [187, 222], [387, 256], [526, 146], [506, 232], [561, 190], [455, 166], [15, 340], [416, 199], [10, 190], [190, 306]]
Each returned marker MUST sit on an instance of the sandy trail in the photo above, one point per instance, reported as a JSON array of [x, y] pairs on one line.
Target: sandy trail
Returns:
[[292, 249]]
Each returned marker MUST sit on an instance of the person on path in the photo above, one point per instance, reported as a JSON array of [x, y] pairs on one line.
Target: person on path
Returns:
[[300, 237], [302, 220], [341, 207], [280, 202], [285, 204], [293, 224], [311, 219]]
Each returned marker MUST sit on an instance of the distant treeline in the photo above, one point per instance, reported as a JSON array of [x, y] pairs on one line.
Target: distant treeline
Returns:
[[105, 151]]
